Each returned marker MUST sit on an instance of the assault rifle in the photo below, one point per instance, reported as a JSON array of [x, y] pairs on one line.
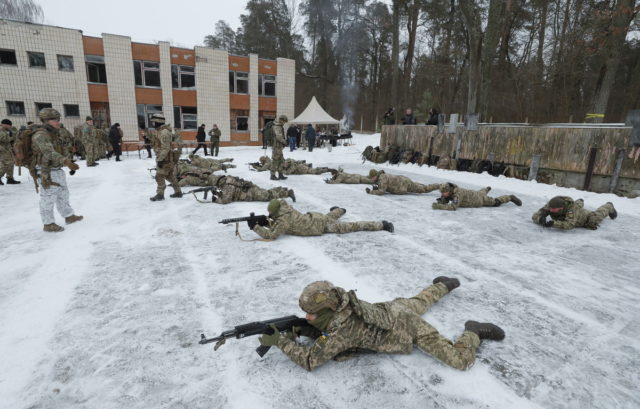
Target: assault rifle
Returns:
[[214, 192], [262, 220], [256, 328]]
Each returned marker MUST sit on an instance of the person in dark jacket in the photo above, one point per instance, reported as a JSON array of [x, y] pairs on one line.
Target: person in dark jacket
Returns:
[[147, 141], [115, 138], [389, 117], [408, 118], [200, 138], [310, 135], [433, 117], [292, 134]]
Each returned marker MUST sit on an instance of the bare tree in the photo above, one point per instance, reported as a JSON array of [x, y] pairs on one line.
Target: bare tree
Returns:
[[21, 10]]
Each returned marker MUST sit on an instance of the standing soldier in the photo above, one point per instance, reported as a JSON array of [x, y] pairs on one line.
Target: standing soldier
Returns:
[[8, 135], [279, 142], [166, 158], [284, 219], [49, 152], [89, 141], [214, 133], [396, 185], [68, 140], [567, 214], [452, 197], [342, 326]]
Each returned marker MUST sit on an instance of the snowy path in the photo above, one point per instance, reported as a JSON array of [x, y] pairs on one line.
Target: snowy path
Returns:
[[108, 313]]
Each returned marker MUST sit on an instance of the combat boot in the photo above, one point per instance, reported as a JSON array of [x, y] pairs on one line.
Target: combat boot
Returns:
[[515, 200], [273, 176], [485, 330], [157, 197], [451, 283], [291, 195], [52, 228], [612, 213], [281, 176], [496, 203], [176, 195], [73, 218], [336, 207], [388, 226], [12, 181]]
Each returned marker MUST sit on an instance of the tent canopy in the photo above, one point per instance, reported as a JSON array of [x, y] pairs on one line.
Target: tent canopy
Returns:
[[314, 114]]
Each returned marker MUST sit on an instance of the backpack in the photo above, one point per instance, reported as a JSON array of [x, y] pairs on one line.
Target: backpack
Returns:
[[23, 148], [268, 133], [368, 153]]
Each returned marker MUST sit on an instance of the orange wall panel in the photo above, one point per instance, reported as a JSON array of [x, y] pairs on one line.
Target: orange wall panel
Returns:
[[188, 135], [239, 101], [267, 104], [237, 63], [184, 98], [145, 52], [182, 56], [92, 45], [269, 67], [149, 96], [98, 93]]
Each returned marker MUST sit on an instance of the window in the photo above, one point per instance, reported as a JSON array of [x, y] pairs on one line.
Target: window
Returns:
[[36, 60], [238, 82], [144, 114], [183, 76], [71, 110], [96, 71], [267, 85], [42, 105], [242, 123], [147, 73], [15, 108], [185, 117], [65, 62], [8, 57]]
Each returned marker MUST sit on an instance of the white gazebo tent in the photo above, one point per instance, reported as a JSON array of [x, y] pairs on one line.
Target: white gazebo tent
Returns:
[[315, 115]]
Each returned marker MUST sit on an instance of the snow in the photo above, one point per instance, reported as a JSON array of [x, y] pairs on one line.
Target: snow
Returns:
[[108, 314]]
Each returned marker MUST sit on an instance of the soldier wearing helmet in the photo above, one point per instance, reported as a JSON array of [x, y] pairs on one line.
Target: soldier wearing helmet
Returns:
[[166, 158], [567, 214], [89, 139], [343, 325], [50, 155], [279, 142], [396, 184], [284, 219], [8, 134], [452, 197]]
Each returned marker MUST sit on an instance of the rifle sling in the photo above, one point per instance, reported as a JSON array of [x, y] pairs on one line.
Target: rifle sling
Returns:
[[240, 237]]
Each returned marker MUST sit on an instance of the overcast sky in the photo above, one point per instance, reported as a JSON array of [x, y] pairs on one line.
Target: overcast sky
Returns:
[[184, 23]]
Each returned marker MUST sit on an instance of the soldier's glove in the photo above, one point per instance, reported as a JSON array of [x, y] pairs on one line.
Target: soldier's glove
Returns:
[[367, 190], [252, 223], [272, 339], [542, 220], [548, 224], [293, 334], [70, 164], [160, 164], [440, 200]]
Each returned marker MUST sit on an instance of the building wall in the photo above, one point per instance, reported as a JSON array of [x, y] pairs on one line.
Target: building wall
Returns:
[[165, 81], [46, 85], [254, 109], [121, 84], [213, 99], [286, 87]]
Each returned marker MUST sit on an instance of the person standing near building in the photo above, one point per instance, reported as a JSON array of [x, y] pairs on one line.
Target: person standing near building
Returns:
[[279, 142], [200, 138], [89, 141], [147, 142], [291, 137], [215, 133], [50, 155], [8, 135], [310, 135], [166, 158], [115, 139]]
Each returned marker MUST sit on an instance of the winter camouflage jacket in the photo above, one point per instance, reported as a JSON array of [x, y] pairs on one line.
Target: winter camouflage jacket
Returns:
[[49, 150], [290, 221], [463, 198], [7, 139], [573, 216], [161, 140], [350, 178]]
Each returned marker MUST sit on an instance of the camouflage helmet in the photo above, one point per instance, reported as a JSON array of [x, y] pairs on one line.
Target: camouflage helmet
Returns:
[[373, 173], [48, 114], [283, 118], [447, 187], [318, 296], [263, 158], [557, 202], [157, 118], [273, 207]]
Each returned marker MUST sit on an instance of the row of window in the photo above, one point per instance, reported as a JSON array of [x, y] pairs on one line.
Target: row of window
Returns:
[[16, 108], [36, 60], [186, 117], [239, 83]]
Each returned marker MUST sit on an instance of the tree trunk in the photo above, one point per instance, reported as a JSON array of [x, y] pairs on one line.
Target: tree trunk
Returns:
[[488, 52], [395, 51], [413, 12], [471, 18]]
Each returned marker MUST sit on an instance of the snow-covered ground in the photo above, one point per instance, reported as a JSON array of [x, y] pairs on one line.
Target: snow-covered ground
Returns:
[[108, 314]]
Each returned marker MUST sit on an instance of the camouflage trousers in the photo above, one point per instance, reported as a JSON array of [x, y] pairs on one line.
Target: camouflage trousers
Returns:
[[90, 153], [277, 159], [254, 193], [6, 165], [215, 148], [192, 181], [460, 355], [420, 188], [600, 214], [167, 172], [333, 226], [57, 196]]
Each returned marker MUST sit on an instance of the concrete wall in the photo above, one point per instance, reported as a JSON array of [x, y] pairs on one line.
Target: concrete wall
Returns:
[[212, 80]]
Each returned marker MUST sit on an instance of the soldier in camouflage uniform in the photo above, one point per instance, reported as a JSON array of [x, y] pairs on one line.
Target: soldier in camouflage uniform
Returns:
[[49, 156], [396, 185], [567, 214], [452, 197], [68, 140], [297, 167], [8, 135], [344, 326], [284, 219], [189, 175], [213, 165], [89, 141], [215, 133], [166, 158], [279, 142], [339, 176]]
